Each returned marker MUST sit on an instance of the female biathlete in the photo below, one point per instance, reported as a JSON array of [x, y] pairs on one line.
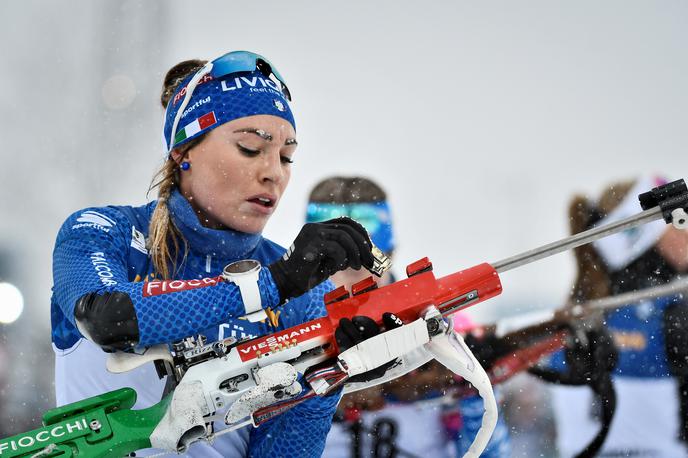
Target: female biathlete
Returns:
[[126, 277]]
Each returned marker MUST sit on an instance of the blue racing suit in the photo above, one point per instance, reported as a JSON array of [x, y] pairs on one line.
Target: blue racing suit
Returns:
[[103, 250], [647, 420]]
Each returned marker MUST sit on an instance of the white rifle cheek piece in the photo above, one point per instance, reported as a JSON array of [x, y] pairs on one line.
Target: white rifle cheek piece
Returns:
[[244, 274], [276, 382], [199, 397]]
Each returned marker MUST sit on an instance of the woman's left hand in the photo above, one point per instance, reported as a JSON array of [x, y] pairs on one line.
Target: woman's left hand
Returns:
[[319, 251]]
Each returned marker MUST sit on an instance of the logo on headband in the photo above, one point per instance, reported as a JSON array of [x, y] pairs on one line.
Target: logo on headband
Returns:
[[180, 95], [194, 106], [249, 82], [221, 100]]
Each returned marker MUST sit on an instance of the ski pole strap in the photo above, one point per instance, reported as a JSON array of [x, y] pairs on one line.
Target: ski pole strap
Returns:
[[683, 408], [604, 389], [452, 352]]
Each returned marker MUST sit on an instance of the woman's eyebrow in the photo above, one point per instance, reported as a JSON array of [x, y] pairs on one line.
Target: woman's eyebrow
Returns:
[[260, 132], [265, 135]]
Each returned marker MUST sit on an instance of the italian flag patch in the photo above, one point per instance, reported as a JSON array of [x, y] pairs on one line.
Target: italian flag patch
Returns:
[[195, 127]]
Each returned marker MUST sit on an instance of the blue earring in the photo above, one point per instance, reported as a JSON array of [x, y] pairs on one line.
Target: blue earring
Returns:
[[185, 165]]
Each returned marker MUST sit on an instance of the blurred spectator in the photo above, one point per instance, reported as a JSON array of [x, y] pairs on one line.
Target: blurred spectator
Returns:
[[413, 415], [527, 411], [651, 336]]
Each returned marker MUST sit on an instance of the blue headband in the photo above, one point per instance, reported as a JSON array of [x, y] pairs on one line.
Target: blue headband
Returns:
[[223, 94], [374, 217]]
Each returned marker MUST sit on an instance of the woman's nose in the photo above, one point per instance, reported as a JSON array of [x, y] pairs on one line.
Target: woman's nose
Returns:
[[271, 168]]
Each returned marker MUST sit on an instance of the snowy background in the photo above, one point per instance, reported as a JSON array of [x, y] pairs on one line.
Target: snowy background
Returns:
[[481, 119]]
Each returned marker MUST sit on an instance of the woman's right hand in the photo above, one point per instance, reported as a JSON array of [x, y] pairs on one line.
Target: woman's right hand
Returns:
[[319, 251]]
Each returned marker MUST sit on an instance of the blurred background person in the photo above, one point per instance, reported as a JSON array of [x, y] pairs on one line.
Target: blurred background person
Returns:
[[413, 415], [651, 337], [528, 413]]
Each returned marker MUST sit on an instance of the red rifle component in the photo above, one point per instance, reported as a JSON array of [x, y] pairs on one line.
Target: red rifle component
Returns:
[[336, 295], [418, 267], [264, 414], [363, 286], [407, 299], [315, 332], [520, 360]]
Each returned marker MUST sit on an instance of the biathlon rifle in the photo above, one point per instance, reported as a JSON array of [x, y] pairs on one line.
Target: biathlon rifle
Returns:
[[249, 382], [525, 340]]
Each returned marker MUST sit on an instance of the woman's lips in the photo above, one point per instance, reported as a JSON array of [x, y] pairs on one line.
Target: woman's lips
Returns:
[[260, 206]]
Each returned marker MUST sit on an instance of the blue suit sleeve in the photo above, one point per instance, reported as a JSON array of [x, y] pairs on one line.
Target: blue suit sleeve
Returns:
[[91, 256], [300, 431]]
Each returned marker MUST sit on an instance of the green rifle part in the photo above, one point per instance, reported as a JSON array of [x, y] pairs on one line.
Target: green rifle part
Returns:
[[103, 426]]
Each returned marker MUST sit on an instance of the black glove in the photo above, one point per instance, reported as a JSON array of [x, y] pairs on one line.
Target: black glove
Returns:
[[351, 332], [320, 250]]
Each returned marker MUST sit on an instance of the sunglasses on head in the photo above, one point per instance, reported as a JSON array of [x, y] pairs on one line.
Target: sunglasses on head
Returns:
[[232, 62]]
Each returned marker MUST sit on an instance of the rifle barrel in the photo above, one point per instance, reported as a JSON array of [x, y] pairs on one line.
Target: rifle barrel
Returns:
[[668, 289], [577, 240]]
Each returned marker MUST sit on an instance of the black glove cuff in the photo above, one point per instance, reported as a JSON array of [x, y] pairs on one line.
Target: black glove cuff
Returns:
[[284, 286]]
